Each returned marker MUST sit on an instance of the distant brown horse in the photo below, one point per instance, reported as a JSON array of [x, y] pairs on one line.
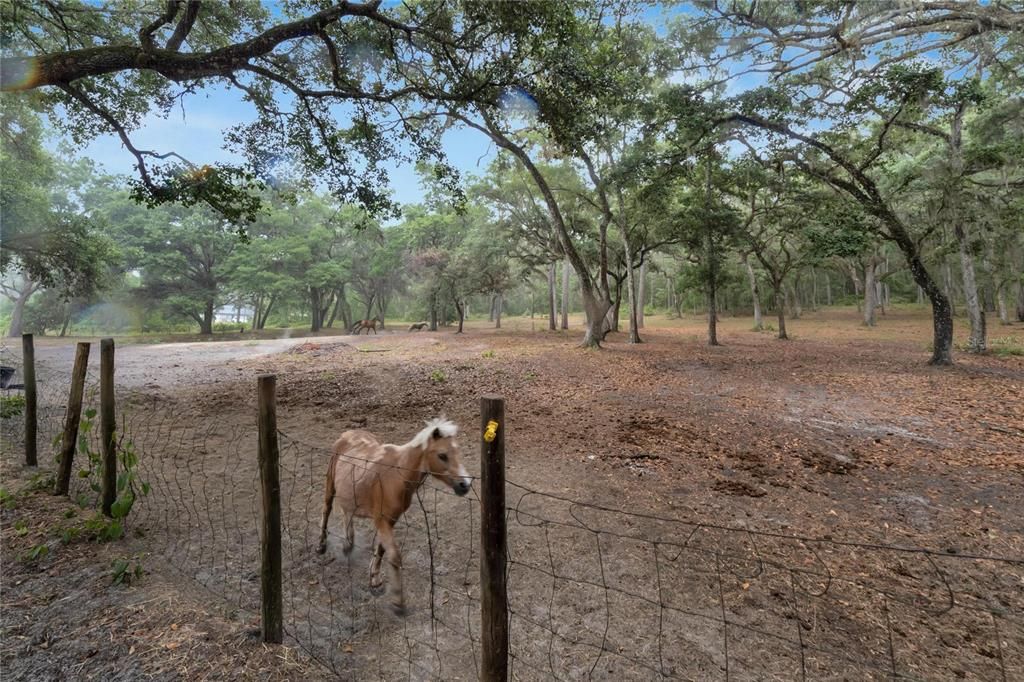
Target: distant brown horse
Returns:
[[365, 324], [377, 481]]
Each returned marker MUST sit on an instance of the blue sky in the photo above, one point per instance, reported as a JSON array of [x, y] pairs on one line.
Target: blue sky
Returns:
[[196, 131], [198, 135]]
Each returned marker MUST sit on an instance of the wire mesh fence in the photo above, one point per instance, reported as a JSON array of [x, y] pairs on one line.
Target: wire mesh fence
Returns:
[[639, 596], [594, 592]]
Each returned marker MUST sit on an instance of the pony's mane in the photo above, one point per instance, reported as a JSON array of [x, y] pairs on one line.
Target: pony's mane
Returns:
[[448, 429]]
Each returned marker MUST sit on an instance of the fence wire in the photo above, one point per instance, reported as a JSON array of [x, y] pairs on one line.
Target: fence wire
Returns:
[[594, 592], [640, 596]]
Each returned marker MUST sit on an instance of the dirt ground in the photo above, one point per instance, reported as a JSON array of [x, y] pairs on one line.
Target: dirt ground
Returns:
[[842, 434]]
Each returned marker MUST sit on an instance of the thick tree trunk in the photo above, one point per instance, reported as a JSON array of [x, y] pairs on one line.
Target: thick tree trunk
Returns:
[[712, 313], [597, 311], [828, 289], [642, 295], [975, 312], [870, 291], [611, 323], [566, 273], [18, 312], [942, 311], [758, 322], [498, 304], [206, 323], [1004, 313], [779, 292], [631, 290], [433, 312], [490, 315], [461, 309], [314, 309], [552, 296]]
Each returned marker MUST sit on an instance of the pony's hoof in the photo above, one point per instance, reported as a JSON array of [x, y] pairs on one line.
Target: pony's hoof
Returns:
[[376, 586], [322, 548], [347, 548], [399, 609]]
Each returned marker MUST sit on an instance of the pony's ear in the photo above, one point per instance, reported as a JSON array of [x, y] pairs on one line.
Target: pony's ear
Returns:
[[437, 433]]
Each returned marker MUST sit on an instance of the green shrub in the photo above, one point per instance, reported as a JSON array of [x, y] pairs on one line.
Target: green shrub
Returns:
[[11, 406]]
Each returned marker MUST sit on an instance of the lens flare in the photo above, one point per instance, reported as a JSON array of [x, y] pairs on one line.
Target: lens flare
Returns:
[[19, 74], [518, 103]]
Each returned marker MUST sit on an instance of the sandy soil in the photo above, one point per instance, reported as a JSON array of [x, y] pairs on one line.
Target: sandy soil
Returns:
[[842, 434]]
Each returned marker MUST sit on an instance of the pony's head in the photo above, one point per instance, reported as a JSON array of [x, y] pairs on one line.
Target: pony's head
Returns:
[[441, 454]]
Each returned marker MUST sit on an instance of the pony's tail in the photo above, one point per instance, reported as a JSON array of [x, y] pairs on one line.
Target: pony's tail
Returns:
[[328, 503]]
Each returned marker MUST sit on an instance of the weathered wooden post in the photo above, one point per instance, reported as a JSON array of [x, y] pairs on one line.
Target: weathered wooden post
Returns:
[[74, 414], [28, 355], [493, 592], [108, 424], [271, 593]]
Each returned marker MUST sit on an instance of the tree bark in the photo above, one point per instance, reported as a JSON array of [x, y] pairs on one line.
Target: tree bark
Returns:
[[18, 313], [780, 305], [566, 272], [206, 323], [314, 309], [433, 312], [642, 295], [758, 322], [1004, 314], [498, 304], [712, 313], [975, 312], [611, 323], [631, 289], [870, 291], [552, 295], [461, 309]]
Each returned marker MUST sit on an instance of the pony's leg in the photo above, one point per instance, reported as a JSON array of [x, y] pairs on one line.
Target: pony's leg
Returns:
[[328, 503], [350, 536], [378, 554], [394, 560]]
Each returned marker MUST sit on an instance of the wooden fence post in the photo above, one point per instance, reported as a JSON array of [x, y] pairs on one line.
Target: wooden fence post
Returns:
[[31, 400], [493, 592], [74, 414], [108, 424], [271, 594]]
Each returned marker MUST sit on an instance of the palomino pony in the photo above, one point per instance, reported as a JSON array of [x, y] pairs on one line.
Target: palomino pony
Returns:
[[359, 326], [377, 481]]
